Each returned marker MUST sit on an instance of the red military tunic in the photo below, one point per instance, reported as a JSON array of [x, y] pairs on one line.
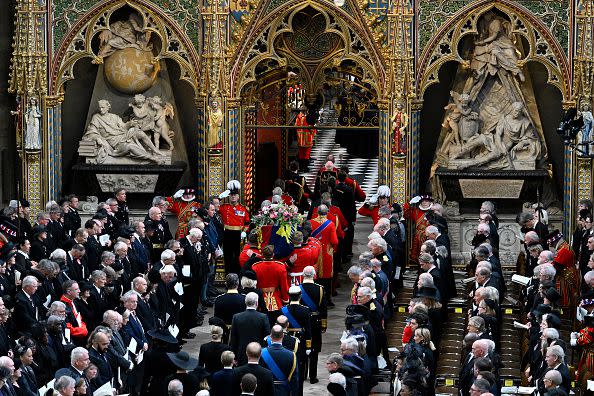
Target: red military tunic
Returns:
[[568, 277], [243, 256], [184, 212], [305, 256], [234, 218], [359, 193], [329, 241], [272, 280], [370, 211], [335, 214], [417, 217]]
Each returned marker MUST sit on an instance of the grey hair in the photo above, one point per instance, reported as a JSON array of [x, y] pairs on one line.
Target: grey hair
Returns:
[[483, 227], [58, 254], [426, 280], [548, 270], [167, 254], [368, 282], [549, 255], [589, 276], [126, 297], [322, 210], [64, 382], [107, 255], [337, 378], [157, 200], [432, 230], [76, 354], [354, 270], [557, 351], [380, 243], [488, 247], [335, 357], [551, 332], [351, 344], [491, 293], [248, 283], [29, 280], [175, 388], [97, 274], [119, 245], [483, 271], [554, 376], [366, 291], [309, 272], [251, 300]]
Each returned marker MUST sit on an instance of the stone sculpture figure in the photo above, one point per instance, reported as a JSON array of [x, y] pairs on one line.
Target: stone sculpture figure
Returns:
[[462, 122], [494, 54], [142, 113], [515, 139], [123, 34], [214, 136], [161, 129], [116, 138], [33, 130], [586, 132]]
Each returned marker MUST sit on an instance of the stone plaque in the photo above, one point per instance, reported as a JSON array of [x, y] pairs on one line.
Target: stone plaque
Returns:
[[132, 183], [491, 188]]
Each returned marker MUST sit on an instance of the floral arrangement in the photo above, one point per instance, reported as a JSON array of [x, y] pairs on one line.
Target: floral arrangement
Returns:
[[278, 215]]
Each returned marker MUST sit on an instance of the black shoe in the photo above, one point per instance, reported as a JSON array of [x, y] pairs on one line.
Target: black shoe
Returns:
[[189, 335], [313, 381], [330, 304]]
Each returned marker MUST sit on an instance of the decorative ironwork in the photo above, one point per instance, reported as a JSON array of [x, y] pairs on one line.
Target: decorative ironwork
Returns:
[[584, 178]]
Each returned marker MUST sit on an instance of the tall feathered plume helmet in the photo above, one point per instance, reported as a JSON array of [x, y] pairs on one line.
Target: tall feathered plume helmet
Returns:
[[383, 191], [233, 187]]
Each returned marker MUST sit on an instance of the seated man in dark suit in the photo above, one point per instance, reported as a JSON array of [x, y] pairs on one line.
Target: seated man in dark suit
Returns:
[[221, 382], [248, 326], [265, 385]]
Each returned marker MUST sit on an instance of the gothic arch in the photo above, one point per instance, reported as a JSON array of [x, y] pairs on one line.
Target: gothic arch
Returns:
[[76, 45], [542, 46], [258, 44]]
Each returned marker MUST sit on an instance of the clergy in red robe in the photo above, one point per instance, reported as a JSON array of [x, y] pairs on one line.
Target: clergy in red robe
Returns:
[[415, 214]]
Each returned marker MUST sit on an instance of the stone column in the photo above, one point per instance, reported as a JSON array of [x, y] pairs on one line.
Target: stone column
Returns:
[[384, 143]]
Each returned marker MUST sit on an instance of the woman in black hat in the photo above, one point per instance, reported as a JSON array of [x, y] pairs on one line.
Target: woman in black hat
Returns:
[[157, 366], [187, 372]]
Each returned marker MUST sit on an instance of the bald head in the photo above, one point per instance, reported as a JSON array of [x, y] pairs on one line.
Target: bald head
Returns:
[[253, 351]]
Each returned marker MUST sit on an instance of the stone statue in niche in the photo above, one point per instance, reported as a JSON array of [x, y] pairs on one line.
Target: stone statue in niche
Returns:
[[515, 140], [494, 54], [214, 135], [489, 125], [461, 122], [108, 137], [150, 115], [123, 34], [33, 126], [585, 139]]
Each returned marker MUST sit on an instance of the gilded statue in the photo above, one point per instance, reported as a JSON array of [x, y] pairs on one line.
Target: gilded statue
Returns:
[[214, 135], [399, 124], [123, 34], [33, 130], [115, 138]]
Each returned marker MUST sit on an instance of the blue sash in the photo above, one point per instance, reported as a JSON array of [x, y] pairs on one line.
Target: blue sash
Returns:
[[307, 300], [268, 340], [292, 321], [321, 228], [276, 371]]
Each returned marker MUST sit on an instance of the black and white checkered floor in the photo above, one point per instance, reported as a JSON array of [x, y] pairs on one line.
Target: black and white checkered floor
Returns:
[[363, 170]]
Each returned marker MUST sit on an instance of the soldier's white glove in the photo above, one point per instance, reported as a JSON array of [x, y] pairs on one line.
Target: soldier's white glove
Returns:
[[415, 200], [224, 194], [574, 337], [243, 234], [373, 199], [307, 352], [178, 194]]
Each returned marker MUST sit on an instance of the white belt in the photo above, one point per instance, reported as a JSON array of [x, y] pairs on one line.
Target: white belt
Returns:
[[296, 274]]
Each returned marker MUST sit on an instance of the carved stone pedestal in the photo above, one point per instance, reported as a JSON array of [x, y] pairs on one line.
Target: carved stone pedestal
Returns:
[[491, 184], [136, 179]]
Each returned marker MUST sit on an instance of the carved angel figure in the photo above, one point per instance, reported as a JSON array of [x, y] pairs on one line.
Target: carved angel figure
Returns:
[[162, 111], [461, 120], [123, 34]]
